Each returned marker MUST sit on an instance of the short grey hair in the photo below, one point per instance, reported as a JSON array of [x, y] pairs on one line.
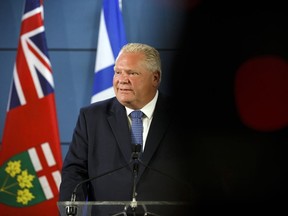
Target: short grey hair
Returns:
[[152, 56]]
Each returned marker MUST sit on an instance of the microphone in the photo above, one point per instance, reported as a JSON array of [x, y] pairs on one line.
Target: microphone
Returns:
[[71, 210]]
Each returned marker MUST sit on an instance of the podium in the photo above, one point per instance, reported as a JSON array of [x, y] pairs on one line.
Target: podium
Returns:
[[123, 208]]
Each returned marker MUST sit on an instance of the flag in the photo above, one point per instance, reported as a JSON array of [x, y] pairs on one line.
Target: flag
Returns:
[[111, 38], [30, 157]]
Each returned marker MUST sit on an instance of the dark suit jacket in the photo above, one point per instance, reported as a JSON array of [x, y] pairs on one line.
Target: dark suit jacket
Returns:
[[101, 143]]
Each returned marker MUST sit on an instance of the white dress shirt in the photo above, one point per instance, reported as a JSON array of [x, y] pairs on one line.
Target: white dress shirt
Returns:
[[148, 111]]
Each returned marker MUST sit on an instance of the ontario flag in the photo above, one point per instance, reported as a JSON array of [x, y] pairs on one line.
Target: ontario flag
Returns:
[[30, 156]]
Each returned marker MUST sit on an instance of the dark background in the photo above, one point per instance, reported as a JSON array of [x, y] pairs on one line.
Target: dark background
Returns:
[[230, 84]]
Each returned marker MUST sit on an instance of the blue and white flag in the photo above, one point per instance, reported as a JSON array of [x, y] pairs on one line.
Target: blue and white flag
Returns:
[[111, 38]]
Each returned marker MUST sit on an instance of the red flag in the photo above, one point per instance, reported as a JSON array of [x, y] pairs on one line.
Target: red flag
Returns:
[[30, 158]]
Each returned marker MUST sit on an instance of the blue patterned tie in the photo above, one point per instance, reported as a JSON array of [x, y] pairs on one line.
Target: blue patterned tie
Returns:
[[137, 127]]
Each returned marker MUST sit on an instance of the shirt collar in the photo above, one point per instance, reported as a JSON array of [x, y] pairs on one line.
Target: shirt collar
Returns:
[[148, 109]]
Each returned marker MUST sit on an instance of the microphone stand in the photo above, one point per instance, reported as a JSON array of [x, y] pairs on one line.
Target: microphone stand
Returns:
[[71, 210], [136, 150], [135, 159]]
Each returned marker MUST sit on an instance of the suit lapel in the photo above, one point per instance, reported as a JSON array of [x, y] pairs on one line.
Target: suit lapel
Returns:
[[157, 130], [119, 125]]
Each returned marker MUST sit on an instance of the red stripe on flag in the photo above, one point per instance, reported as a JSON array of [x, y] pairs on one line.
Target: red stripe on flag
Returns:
[[31, 23], [47, 170], [24, 75]]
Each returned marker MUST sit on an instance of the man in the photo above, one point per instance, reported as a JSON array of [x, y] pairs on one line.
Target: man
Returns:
[[101, 147]]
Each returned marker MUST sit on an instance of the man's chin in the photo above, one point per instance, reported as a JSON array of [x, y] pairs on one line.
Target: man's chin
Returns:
[[124, 99]]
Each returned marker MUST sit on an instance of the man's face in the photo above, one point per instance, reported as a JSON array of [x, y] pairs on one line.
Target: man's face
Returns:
[[133, 84]]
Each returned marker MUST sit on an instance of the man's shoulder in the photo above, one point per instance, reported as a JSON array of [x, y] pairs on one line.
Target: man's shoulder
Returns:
[[102, 106]]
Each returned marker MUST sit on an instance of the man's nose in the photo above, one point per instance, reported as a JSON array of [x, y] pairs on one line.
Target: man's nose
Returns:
[[123, 78]]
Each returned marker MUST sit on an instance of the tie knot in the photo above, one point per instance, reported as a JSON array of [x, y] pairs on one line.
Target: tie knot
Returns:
[[136, 114]]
